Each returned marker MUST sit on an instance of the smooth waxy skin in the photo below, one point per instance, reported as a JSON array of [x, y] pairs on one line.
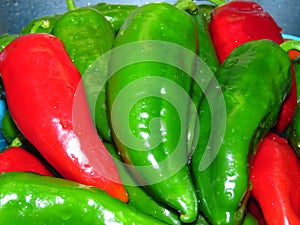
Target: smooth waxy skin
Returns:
[[27, 198], [241, 21], [116, 14], [149, 84], [253, 87], [207, 53], [139, 198], [87, 35], [275, 179], [206, 49], [50, 109]]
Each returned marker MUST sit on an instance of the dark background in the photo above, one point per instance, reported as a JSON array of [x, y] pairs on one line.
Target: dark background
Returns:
[[14, 14]]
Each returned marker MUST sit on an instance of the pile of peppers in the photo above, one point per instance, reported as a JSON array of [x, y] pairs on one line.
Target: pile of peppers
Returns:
[[158, 113]]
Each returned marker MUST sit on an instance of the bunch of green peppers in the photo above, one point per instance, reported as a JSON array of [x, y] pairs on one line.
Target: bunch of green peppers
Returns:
[[154, 111]]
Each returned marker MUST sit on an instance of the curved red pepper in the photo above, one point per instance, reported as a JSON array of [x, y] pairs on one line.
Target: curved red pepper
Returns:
[[287, 112], [46, 98], [237, 22], [16, 159], [255, 210], [275, 177]]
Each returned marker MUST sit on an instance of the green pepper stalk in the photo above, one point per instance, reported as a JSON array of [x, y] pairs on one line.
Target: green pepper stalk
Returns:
[[254, 86], [87, 35], [148, 130], [290, 45], [70, 5], [43, 24]]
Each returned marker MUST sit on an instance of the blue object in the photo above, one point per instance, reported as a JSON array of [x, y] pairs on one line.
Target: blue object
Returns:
[[3, 108], [289, 36]]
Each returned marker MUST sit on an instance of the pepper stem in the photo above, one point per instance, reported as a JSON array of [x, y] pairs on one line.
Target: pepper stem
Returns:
[[16, 142], [187, 5], [70, 5], [290, 45], [42, 23]]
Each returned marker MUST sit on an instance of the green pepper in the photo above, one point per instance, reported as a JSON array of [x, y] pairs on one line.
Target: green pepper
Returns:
[[5, 39], [206, 49], [43, 24], [115, 13], [87, 35], [9, 129], [201, 220], [293, 131], [253, 86], [148, 102], [207, 9], [249, 219], [138, 196], [208, 55], [29, 198], [12, 134]]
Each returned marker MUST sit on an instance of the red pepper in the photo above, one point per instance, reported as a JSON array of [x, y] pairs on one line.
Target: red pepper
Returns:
[[255, 210], [287, 112], [237, 22], [275, 177], [294, 54], [16, 159], [46, 98]]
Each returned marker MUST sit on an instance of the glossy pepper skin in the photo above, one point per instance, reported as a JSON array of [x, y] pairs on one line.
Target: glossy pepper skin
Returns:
[[139, 198], [43, 24], [207, 53], [87, 35], [149, 149], [16, 159], [15, 138], [253, 88], [206, 49], [275, 178], [28, 198], [51, 94], [237, 22], [116, 14]]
